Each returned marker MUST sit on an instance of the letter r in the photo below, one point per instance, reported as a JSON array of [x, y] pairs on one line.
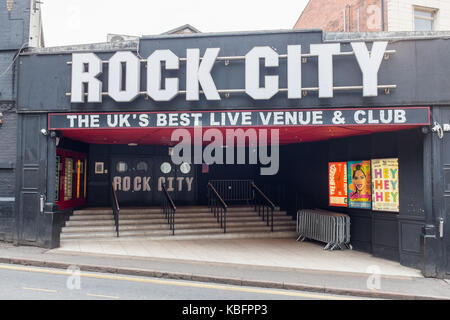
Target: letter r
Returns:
[[80, 76]]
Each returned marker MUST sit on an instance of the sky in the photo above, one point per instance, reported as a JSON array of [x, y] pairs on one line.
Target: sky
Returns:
[[68, 22]]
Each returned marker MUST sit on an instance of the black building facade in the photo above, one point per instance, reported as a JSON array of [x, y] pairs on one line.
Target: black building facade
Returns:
[[405, 118], [14, 23]]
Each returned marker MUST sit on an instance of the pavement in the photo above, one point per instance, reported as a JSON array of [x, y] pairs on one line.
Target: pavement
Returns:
[[268, 263]]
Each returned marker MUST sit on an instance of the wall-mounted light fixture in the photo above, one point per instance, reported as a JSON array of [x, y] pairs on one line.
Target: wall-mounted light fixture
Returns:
[[44, 132], [438, 129]]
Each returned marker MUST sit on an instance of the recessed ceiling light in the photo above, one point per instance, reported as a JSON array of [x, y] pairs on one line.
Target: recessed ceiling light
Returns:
[[132, 144]]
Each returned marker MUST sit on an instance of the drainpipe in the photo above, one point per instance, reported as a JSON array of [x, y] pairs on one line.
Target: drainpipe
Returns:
[[382, 14], [357, 20], [345, 19]]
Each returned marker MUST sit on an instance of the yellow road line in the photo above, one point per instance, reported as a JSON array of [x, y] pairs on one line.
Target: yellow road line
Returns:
[[39, 289], [102, 296], [175, 283]]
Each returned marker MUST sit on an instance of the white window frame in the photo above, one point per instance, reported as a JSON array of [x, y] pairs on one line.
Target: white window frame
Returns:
[[433, 18]]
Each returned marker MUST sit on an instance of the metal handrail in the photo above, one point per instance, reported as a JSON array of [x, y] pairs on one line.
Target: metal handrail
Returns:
[[218, 206], [267, 207], [234, 190], [169, 209], [115, 208]]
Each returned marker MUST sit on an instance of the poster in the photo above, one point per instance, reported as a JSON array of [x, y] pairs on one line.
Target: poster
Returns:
[[359, 184], [385, 185], [337, 172]]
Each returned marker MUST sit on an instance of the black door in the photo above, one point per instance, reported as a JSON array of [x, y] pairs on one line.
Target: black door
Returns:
[[138, 180], [132, 178], [445, 151], [31, 177], [180, 181]]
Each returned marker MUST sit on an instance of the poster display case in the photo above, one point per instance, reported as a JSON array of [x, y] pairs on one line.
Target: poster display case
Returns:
[[71, 179]]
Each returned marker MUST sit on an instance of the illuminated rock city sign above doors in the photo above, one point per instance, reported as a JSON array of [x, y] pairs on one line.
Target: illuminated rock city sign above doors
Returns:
[[124, 73]]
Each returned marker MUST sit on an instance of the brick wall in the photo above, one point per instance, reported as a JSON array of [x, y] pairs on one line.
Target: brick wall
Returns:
[[329, 15], [398, 15], [401, 14]]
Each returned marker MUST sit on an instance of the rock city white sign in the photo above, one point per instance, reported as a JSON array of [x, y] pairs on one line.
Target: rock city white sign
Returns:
[[124, 73]]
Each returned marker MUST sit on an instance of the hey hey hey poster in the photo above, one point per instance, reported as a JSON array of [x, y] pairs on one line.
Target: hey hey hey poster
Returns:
[[385, 187]]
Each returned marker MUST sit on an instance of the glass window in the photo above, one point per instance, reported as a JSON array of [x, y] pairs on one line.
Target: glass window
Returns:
[[142, 166], [185, 168], [166, 167], [58, 175], [121, 167], [424, 19], [68, 179]]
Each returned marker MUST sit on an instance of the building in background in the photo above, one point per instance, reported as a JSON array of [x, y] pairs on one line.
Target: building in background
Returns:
[[375, 15], [184, 29]]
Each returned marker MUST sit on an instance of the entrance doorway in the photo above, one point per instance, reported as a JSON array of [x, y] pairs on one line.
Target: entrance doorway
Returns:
[[138, 180]]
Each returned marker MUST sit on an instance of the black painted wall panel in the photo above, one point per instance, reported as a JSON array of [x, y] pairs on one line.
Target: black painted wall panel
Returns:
[[8, 137], [410, 148], [8, 141]]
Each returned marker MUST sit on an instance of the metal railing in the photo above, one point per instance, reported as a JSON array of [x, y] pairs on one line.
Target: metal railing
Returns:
[[115, 208], [234, 190], [217, 206], [329, 227], [169, 209], [263, 205]]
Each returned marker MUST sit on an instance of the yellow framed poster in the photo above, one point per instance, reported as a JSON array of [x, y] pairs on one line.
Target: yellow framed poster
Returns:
[[359, 184], [385, 188]]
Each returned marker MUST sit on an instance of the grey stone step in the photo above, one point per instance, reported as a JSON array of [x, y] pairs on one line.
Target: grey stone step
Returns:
[[161, 220], [220, 235], [179, 218], [101, 232], [107, 234], [182, 215], [164, 225], [94, 229], [92, 217]]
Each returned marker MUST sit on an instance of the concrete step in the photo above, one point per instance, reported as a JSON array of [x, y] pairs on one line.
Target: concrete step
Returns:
[[178, 220], [164, 225], [157, 218], [94, 229], [220, 235], [109, 234], [191, 221], [181, 215], [125, 231]]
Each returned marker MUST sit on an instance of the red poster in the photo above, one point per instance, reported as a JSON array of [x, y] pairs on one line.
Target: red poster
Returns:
[[337, 172]]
